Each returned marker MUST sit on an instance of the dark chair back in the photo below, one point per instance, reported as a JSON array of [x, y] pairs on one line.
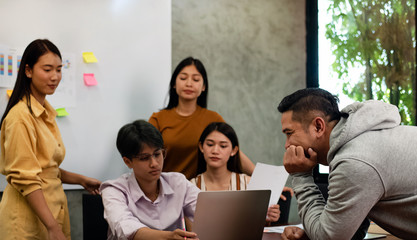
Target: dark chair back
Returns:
[[284, 207], [94, 224]]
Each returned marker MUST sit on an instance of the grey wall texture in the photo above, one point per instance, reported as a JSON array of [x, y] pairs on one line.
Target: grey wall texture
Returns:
[[254, 53]]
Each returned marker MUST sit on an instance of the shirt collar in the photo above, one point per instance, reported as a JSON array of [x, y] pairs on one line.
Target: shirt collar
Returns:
[[137, 193], [38, 109], [165, 188]]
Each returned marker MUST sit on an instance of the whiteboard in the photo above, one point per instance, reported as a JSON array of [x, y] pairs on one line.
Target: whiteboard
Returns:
[[131, 40]]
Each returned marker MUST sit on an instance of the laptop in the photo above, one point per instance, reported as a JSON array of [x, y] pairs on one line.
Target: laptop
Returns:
[[231, 215]]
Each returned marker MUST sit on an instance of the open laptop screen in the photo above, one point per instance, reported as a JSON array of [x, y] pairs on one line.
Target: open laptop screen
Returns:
[[231, 215]]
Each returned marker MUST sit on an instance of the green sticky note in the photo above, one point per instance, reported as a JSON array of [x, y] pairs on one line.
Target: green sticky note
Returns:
[[61, 112]]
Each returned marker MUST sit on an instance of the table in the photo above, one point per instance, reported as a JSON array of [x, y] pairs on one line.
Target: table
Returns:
[[372, 229]]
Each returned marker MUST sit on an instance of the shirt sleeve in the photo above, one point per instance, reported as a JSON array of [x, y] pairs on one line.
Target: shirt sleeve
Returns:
[[353, 191], [121, 221], [190, 200], [21, 165], [219, 118], [154, 121]]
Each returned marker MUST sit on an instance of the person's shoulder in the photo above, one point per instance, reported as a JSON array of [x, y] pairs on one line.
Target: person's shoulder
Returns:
[[208, 111], [19, 110], [173, 176], [121, 183], [243, 175], [175, 179], [194, 180], [246, 177], [161, 117], [162, 113], [212, 114], [18, 113]]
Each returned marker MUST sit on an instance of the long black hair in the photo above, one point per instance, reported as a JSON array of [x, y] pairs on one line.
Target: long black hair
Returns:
[[30, 57], [233, 164], [173, 96]]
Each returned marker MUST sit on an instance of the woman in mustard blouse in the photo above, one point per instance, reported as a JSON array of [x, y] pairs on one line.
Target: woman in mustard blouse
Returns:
[[34, 205]]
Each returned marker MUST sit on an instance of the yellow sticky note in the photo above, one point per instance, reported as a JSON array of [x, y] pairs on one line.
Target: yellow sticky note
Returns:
[[89, 57], [9, 92], [61, 112], [90, 79]]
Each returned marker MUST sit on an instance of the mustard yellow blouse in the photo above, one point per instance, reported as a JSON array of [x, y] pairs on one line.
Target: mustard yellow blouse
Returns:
[[31, 152]]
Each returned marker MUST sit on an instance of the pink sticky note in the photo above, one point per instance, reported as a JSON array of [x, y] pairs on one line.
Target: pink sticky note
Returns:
[[89, 79]]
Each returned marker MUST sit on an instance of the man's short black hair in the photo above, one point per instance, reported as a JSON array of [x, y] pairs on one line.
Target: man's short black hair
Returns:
[[133, 136], [303, 101]]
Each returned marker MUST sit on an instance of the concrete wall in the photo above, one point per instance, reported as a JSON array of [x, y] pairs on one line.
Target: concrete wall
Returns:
[[254, 53]]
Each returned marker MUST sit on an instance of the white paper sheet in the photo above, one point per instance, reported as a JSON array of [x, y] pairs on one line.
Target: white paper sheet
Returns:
[[266, 176], [280, 229]]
